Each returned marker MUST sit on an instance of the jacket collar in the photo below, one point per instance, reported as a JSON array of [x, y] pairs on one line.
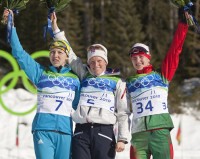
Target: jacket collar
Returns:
[[63, 69], [145, 70]]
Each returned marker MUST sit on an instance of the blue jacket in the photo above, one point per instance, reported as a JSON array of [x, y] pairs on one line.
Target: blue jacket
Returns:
[[58, 92]]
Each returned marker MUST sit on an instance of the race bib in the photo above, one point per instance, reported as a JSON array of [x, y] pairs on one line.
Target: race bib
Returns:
[[150, 102], [59, 103], [103, 100]]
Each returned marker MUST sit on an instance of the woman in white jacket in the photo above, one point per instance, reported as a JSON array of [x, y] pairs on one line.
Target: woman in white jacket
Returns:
[[102, 104]]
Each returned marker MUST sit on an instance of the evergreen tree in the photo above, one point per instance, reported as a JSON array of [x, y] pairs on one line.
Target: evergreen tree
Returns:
[[123, 29], [158, 29], [191, 52], [70, 20], [29, 24]]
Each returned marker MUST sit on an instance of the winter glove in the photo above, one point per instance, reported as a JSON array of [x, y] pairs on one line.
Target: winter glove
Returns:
[[185, 15], [181, 15]]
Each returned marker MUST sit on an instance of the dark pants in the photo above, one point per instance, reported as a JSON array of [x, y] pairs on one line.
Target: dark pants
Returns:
[[93, 141]]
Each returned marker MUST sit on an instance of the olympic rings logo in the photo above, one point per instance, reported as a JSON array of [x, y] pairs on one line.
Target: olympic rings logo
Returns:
[[60, 80], [143, 82], [100, 83], [13, 77]]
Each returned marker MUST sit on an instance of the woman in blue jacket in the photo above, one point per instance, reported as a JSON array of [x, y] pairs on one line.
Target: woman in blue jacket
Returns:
[[58, 95]]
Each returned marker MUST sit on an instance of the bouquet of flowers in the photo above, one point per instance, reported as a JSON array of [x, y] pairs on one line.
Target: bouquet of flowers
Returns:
[[186, 5], [14, 5], [180, 3], [53, 6], [57, 5]]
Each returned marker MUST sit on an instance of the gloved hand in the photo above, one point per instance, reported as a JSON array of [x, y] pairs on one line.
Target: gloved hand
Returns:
[[185, 14], [181, 15]]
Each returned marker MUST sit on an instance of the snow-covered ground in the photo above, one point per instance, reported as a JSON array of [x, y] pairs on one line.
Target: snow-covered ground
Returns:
[[20, 100]]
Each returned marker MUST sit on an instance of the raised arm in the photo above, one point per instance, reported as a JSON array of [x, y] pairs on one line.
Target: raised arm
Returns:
[[171, 61], [75, 62], [32, 69]]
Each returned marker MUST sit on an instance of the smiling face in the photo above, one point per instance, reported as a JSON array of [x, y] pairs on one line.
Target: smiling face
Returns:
[[97, 65], [139, 61], [58, 57]]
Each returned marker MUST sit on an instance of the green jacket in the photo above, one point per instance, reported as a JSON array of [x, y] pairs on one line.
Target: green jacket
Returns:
[[148, 89]]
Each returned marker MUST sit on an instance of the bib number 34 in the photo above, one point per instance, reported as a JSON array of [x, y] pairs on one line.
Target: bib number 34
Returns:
[[148, 107]]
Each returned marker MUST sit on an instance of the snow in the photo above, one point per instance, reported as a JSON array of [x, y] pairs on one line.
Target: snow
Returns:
[[20, 100], [190, 84]]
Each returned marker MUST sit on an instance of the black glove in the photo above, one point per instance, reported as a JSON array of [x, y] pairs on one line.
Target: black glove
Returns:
[[181, 15], [183, 12]]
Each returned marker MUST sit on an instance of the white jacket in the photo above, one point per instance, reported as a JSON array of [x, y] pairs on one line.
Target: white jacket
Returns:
[[85, 114]]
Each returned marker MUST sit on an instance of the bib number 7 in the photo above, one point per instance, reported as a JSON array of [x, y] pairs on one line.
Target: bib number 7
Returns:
[[59, 104]]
